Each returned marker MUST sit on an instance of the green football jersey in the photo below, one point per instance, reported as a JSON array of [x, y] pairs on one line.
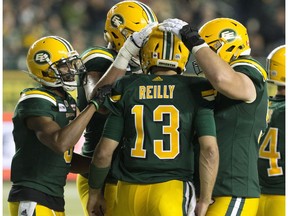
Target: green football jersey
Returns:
[[271, 162], [239, 126], [154, 118], [95, 59], [34, 165]]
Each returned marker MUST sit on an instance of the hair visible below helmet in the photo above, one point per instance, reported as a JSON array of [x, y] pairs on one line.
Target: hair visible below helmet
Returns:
[[275, 65], [123, 19], [48, 56], [227, 37], [163, 49]]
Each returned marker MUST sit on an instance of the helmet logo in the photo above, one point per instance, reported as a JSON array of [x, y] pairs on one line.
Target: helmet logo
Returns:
[[117, 20], [41, 57], [228, 34]]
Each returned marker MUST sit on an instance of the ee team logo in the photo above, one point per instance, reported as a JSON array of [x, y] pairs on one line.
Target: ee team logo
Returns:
[[228, 34], [41, 57], [117, 20]]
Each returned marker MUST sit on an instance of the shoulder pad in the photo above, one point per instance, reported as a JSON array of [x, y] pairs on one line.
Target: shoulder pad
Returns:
[[37, 94], [251, 63], [98, 52]]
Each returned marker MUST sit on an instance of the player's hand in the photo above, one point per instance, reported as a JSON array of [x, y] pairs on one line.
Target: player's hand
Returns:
[[96, 204], [100, 95], [139, 37], [131, 47], [202, 207], [183, 30], [172, 25], [190, 37]]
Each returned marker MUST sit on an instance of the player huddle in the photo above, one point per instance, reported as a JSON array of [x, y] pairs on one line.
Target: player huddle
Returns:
[[157, 142]]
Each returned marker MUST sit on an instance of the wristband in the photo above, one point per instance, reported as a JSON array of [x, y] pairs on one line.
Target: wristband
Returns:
[[97, 176], [95, 104], [196, 48]]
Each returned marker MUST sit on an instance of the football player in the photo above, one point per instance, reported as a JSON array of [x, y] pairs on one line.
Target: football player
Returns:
[[123, 19], [154, 118], [47, 125], [222, 51], [271, 162]]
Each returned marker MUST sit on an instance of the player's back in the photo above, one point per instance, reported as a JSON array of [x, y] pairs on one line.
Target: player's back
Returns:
[[271, 162], [161, 115]]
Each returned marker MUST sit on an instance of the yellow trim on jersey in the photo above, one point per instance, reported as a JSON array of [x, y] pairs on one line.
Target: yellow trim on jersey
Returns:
[[207, 93], [255, 64], [115, 98], [38, 94], [95, 52]]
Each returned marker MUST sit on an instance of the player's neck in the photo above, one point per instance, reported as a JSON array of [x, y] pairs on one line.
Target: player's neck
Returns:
[[168, 72]]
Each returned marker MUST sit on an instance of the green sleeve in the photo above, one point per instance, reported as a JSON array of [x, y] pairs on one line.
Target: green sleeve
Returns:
[[113, 128], [205, 123]]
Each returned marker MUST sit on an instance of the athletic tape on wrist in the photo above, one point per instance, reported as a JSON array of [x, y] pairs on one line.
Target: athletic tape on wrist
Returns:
[[125, 54], [122, 60], [97, 176], [196, 48]]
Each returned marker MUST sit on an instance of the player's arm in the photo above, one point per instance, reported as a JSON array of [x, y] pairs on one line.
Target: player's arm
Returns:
[[208, 168], [80, 163], [130, 48], [224, 78], [92, 78], [99, 169], [60, 139]]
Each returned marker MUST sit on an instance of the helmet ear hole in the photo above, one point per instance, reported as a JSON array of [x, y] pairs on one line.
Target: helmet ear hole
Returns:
[[230, 49], [45, 74]]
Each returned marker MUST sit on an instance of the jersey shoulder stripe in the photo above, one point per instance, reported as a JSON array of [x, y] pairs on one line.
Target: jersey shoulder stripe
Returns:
[[209, 94], [97, 53], [115, 98], [37, 94], [250, 63]]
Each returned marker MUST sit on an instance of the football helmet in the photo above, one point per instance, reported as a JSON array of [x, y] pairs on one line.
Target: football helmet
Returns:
[[123, 19], [275, 66], [163, 49], [227, 37], [53, 62]]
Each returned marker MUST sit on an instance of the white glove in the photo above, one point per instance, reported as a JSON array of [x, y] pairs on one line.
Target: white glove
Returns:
[[172, 25], [139, 37], [132, 46]]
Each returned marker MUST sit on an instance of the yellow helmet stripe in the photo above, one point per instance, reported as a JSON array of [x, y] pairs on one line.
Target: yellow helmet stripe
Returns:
[[64, 42], [250, 63], [148, 12]]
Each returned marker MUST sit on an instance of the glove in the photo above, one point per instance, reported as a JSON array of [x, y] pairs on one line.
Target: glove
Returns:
[[190, 37], [101, 93], [183, 30], [132, 46], [172, 25], [139, 37]]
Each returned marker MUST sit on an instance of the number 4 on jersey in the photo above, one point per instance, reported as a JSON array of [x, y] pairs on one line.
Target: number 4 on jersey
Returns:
[[268, 150]]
